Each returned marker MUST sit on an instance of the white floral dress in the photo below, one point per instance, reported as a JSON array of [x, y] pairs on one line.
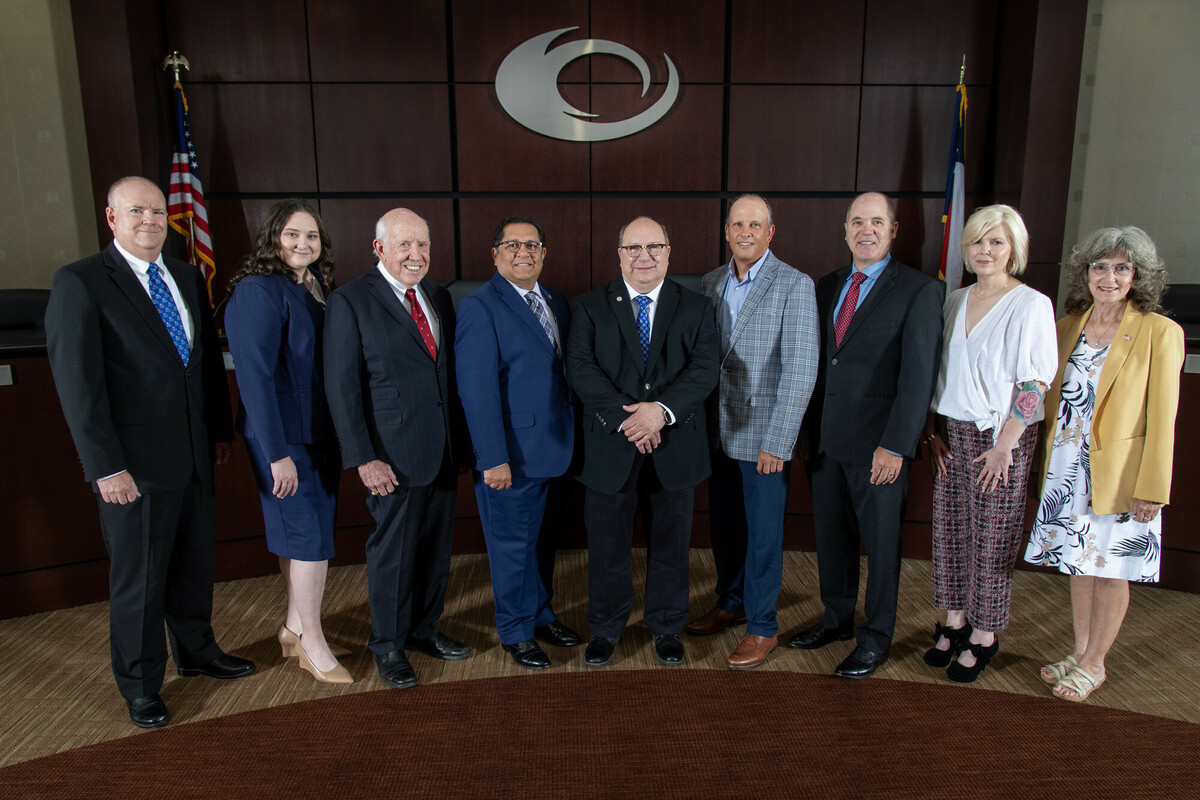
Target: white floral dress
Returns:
[[1068, 534]]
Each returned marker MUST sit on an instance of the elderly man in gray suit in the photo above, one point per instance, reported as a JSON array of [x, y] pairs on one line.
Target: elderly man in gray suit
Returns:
[[767, 313]]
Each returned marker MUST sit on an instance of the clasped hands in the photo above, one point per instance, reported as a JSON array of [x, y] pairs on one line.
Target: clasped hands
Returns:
[[643, 427]]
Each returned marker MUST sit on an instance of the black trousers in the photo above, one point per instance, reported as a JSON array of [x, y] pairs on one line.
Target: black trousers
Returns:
[[668, 531], [849, 511], [161, 552], [408, 560]]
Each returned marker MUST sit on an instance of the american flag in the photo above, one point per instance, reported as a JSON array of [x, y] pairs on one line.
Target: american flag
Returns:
[[185, 202], [952, 216]]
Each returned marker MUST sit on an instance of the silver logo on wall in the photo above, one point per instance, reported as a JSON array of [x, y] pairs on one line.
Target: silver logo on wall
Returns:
[[527, 87]]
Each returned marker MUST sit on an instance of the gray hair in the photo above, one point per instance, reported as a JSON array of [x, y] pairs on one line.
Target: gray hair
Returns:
[[1149, 276]]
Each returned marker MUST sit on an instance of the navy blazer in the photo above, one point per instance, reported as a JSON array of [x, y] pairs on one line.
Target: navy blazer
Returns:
[[389, 399], [512, 384], [873, 390], [129, 400], [604, 365], [275, 327]]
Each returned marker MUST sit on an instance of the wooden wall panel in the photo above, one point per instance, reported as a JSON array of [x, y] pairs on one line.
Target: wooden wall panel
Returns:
[[905, 138], [690, 32], [497, 155], [792, 138], [232, 40], [382, 137], [234, 225], [253, 137], [566, 266], [681, 152], [923, 41], [484, 33], [351, 226], [377, 40], [796, 41], [809, 234]]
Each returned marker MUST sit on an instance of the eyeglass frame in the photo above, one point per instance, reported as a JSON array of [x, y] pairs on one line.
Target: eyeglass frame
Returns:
[[630, 248], [514, 246], [1096, 268]]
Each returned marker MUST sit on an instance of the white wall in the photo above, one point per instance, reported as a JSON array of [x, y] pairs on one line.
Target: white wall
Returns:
[[1137, 132], [46, 218]]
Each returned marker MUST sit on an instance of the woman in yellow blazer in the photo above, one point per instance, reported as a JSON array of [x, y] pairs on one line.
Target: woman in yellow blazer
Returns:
[[1107, 470]]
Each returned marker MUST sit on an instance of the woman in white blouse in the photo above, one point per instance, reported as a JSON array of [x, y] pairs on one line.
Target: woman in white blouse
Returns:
[[1000, 355]]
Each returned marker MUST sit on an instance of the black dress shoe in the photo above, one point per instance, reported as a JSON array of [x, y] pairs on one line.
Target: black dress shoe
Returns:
[[818, 636], [557, 634], [528, 654], [960, 674], [669, 649], [223, 666], [862, 663], [600, 650], [439, 646], [957, 637], [148, 711], [394, 670]]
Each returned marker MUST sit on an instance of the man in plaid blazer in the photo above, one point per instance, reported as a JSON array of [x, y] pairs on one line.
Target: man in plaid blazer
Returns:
[[767, 314]]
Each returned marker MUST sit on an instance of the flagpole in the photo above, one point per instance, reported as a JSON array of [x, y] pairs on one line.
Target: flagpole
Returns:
[[173, 62]]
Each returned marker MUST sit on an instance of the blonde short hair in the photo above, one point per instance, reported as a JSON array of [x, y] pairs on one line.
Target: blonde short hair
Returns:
[[988, 217]]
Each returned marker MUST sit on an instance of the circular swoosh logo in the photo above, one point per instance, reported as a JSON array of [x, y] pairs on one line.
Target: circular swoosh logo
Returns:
[[527, 88]]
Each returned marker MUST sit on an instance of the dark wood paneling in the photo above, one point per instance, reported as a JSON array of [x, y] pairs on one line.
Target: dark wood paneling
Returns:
[[809, 234], [681, 152], [485, 32], [796, 41], [377, 40], [351, 225], [253, 137], [923, 41], [495, 154], [568, 246], [232, 40], [792, 138], [234, 225], [694, 227], [689, 32], [382, 137], [905, 138]]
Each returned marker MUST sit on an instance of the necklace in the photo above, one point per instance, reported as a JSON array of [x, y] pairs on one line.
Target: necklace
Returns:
[[1107, 331]]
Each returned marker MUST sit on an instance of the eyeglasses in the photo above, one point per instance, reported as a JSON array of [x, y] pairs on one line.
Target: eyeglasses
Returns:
[[514, 246], [635, 250], [1120, 270]]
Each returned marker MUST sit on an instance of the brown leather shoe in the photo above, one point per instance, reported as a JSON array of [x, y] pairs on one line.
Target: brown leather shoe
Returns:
[[715, 621], [751, 652]]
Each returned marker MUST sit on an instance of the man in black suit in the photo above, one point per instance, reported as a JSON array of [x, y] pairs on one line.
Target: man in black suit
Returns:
[[139, 372], [642, 357], [389, 378], [881, 342]]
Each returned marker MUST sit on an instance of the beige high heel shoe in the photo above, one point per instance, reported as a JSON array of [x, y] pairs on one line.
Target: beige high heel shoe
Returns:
[[338, 674], [289, 640]]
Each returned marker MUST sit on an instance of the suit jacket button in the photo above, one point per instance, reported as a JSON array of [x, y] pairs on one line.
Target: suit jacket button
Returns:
[[834, 362], [647, 387], [439, 403]]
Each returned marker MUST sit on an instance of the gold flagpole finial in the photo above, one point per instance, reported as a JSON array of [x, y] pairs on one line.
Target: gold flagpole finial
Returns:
[[174, 62], [962, 71]]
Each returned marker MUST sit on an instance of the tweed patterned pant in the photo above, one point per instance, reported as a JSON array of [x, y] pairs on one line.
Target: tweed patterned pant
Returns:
[[976, 534]]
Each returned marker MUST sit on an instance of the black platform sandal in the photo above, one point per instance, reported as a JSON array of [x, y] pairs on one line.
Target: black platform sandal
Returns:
[[960, 674], [958, 642]]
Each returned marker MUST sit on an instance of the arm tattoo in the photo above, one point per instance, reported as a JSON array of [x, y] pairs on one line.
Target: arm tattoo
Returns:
[[1029, 397]]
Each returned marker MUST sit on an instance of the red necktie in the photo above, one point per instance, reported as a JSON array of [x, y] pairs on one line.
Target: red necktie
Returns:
[[846, 312], [422, 324]]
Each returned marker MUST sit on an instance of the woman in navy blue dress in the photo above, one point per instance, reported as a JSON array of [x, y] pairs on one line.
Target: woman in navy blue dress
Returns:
[[275, 321]]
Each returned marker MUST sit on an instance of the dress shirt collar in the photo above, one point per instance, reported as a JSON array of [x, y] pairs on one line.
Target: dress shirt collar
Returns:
[[652, 294], [140, 265], [752, 274]]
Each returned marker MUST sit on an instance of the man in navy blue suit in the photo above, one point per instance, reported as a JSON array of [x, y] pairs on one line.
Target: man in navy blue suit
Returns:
[[509, 350]]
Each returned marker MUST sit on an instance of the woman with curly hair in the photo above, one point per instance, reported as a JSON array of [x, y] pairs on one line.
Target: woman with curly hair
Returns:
[[275, 321], [1107, 470], [998, 358]]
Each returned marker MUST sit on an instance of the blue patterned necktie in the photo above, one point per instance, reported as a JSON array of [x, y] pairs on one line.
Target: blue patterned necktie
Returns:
[[165, 304], [543, 315], [643, 323]]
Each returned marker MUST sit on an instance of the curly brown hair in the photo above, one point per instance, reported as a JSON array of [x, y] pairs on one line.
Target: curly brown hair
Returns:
[[1149, 271], [264, 258]]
